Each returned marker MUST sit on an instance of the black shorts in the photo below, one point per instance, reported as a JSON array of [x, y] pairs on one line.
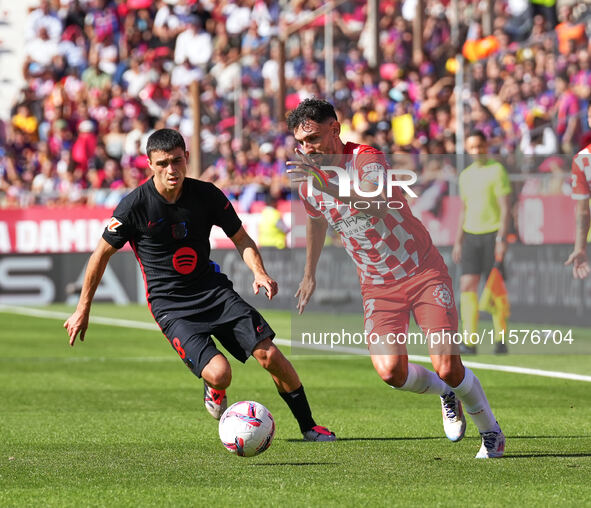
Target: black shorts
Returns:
[[478, 253], [238, 326]]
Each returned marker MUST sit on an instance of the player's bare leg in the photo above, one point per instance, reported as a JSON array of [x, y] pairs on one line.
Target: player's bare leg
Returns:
[[274, 361], [469, 308], [217, 375], [291, 390]]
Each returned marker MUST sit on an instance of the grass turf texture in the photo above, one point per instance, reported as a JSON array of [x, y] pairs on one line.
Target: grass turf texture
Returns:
[[118, 421]]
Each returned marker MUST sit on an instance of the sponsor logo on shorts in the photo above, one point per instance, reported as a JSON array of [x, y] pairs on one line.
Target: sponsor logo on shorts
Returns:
[[443, 296], [260, 328], [184, 260]]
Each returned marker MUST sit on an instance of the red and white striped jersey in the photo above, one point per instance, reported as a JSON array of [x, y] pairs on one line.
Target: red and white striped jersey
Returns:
[[581, 174], [384, 250]]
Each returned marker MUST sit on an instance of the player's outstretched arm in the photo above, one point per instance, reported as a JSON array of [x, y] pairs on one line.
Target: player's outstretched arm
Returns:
[[252, 258], [77, 323], [578, 257], [315, 234]]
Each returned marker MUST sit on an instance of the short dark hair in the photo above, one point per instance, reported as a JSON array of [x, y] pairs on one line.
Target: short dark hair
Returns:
[[165, 140], [317, 110], [479, 134]]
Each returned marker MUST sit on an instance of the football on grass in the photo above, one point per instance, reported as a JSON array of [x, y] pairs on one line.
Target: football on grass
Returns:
[[247, 428]]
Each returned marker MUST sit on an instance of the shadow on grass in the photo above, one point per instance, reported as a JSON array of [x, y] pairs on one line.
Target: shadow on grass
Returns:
[[547, 437], [296, 464], [339, 439], [432, 438], [536, 455]]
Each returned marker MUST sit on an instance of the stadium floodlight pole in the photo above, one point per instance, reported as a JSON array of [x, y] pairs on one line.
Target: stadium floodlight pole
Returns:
[[455, 22], [459, 95], [373, 18], [329, 51], [487, 17], [238, 107], [281, 85], [195, 154], [417, 34]]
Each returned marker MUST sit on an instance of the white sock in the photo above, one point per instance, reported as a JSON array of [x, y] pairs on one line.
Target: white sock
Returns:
[[421, 380], [470, 392]]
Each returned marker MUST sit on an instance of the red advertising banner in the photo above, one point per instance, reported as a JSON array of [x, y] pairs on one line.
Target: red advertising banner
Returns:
[[541, 220], [546, 219], [78, 229]]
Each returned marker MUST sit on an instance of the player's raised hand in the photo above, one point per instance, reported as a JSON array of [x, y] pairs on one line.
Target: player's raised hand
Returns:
[[304, 167], [76, 324], [580, 264], [304, 292], [266, 282]]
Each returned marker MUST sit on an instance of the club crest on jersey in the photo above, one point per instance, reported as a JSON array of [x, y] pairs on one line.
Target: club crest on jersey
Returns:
[[443, 296], [179, 231], [113, 225]]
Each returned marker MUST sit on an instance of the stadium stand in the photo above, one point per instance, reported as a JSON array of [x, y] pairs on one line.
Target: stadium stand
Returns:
[[101, 75]]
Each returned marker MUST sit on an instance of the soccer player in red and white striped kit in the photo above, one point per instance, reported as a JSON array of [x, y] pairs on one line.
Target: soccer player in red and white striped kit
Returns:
[[400, 270]]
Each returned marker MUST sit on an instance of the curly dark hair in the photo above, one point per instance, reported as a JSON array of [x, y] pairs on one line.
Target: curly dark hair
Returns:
[[317, 110]]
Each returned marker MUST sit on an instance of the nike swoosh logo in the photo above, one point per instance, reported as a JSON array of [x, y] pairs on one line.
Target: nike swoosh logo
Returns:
[[151, 224]]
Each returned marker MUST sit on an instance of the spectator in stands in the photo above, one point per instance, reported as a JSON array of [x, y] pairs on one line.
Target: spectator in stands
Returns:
[[109, 54], [567, 111], [46, 18], [193, 44], [539, 137]]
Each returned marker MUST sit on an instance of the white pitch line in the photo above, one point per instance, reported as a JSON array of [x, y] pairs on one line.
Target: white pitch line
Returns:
[[121, 323], [125, 323]]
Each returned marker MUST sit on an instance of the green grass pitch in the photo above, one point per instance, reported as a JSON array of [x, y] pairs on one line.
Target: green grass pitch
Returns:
[[118, 421]]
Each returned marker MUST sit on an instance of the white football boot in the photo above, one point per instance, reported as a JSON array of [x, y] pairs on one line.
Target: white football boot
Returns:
[[215, 401], [454, 421], [493, 445]]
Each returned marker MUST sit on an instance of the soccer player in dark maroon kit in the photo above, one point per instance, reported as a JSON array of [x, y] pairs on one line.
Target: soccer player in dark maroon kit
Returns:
[[167, 221]]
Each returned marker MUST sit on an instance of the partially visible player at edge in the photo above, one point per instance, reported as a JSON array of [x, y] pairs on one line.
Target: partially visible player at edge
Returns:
[[167, 222], [581, 191], [400, 271]]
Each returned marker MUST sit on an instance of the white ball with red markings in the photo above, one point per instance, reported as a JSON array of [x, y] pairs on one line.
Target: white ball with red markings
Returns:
[[247, 428]]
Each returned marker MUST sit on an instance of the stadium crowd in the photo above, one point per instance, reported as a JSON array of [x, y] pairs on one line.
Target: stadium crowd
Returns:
[[102, 75]]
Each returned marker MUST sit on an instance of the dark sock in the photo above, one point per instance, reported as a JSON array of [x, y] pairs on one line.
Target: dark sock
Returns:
[[298, 403]]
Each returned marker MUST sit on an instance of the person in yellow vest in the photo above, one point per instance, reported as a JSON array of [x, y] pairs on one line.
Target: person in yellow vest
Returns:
[[481, 238], [547, 8], [272, 230]]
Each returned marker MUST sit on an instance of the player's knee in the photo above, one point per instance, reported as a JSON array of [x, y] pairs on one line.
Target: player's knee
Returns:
[[450, 371], [220, 380], [217, 373], [393, 371]]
